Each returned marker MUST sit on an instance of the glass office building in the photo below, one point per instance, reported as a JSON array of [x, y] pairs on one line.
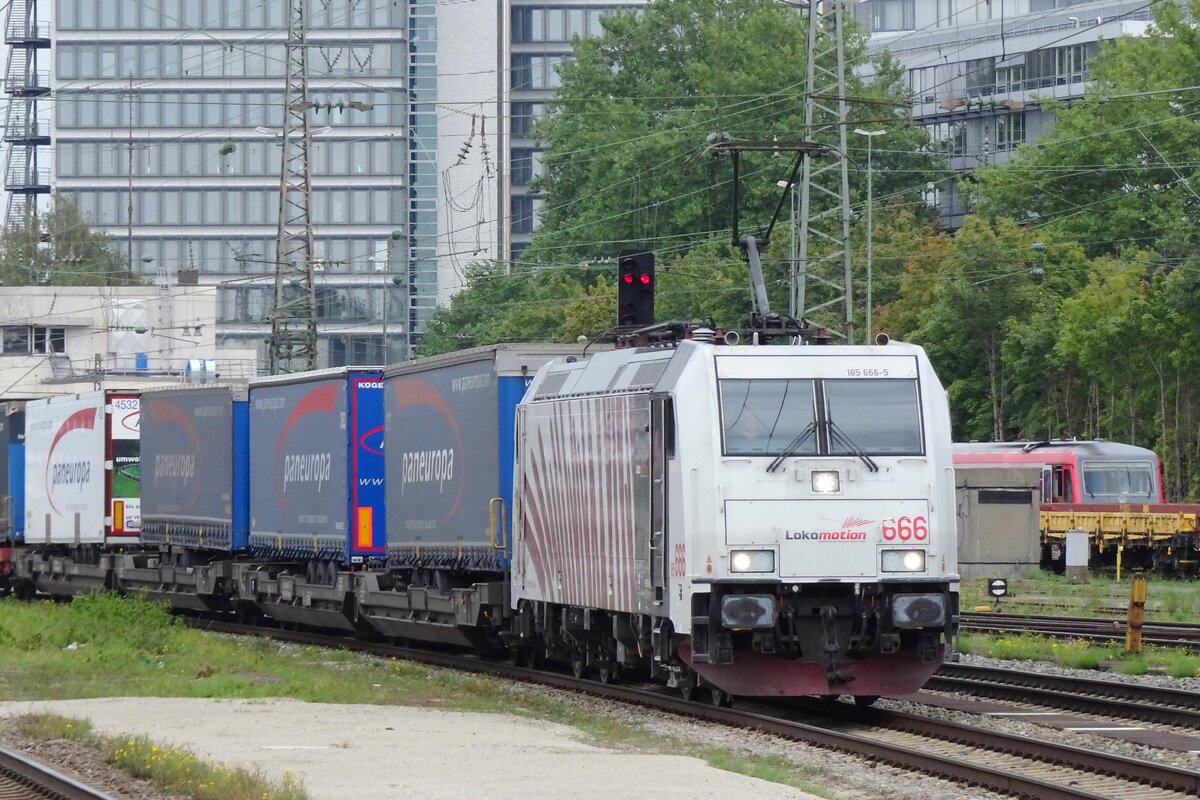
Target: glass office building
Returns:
[[167, 120], [983, 75], [539, 39]]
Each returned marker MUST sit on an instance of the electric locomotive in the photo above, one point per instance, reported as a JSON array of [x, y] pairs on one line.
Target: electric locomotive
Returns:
[[1076, 471], [773, 520], [1113, 491]]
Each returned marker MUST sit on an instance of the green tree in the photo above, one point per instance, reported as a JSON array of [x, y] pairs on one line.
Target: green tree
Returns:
[[627, 168], [499, 305], [627, 163], [61, 249], [1118, 170], [981, 289]]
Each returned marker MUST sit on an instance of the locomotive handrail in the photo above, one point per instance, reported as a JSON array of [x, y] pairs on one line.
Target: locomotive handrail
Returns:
[[503, 543]]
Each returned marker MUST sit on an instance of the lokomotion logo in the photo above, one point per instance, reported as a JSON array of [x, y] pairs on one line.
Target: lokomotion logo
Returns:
[[851, 530], [74, 474], [304, 471], [426, 466], [178, 463]]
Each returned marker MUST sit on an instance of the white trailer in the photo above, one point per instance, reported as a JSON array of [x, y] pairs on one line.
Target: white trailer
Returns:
[[81, 486]]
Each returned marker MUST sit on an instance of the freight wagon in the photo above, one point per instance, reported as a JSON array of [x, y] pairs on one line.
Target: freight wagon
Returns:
[[195, 495], [82, 488], [316, 497], [449, 446]]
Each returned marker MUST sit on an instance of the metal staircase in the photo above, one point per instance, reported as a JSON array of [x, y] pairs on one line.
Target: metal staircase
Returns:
[[25, 133]]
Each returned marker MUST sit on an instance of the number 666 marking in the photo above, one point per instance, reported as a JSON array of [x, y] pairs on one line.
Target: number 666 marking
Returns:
[[905, 529]]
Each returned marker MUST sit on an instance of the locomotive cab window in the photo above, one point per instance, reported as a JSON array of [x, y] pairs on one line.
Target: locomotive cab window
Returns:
[[762, 416], [769, 416], [877, 417], [1113, 480]]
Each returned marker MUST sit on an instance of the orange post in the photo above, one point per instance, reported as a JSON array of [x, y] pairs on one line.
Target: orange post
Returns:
[[1137, 614]]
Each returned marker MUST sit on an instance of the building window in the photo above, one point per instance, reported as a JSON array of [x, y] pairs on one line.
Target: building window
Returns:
[[1070, 62], [14, 340], [981, 77], [1010, 79], [522, 215], [21, 340], [887, 15], [1010, 131], [1059, 65], [524, 115], [526, 165], [949, 137], [49, 340]]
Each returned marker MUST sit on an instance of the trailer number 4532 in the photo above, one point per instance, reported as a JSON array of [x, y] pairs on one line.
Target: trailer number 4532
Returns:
[[904, 529]]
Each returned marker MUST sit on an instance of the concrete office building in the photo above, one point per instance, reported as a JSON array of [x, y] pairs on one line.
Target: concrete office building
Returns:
[[165, 128], [979, 70], [537, 40]]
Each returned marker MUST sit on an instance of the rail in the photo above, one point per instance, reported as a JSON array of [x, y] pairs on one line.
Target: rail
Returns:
[[27, 778]]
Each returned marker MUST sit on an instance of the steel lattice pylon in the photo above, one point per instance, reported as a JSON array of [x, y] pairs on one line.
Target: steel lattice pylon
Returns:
[[25, 133], [824, 241], [293, 343]]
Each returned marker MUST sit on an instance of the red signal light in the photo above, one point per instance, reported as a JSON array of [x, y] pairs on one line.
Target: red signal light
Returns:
[[645, 279], [627, 278]]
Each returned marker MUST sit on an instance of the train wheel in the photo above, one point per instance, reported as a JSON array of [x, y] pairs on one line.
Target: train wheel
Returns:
[[607, 672], [865, 700], [577, 663], [687, 686], [720, 698]]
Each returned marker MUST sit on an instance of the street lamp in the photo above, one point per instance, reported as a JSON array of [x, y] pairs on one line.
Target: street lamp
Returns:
[[384, 265], [870, 231]]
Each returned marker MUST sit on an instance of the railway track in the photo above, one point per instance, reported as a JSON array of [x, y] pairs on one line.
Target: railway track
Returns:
[[1095, 697], [1016, 765], [22, 778], [1166, 634]]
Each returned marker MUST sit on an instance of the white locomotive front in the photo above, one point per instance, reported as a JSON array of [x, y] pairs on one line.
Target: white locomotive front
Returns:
[[774, 520]]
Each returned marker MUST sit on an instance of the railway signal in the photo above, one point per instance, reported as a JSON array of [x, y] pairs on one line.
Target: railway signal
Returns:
[[635, 288]]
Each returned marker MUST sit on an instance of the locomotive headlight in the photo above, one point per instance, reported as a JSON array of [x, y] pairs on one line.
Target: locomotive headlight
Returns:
[[903, 561], [751, 560], [826, 481]]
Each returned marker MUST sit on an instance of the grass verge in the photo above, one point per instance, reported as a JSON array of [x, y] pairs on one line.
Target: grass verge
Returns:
[[1168, 600], [170, 769], [1081, 654], [105, 646]]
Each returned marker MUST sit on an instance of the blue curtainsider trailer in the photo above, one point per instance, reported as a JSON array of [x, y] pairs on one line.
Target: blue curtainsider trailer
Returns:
[[449, 436], [195, 470], [317, 491], [317, 466], [12, 471], [195, 492]]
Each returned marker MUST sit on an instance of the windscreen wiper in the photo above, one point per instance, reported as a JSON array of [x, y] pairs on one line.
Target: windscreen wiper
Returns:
[[792, 447], [841, 438]]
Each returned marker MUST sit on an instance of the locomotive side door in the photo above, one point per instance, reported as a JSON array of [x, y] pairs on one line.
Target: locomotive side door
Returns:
[[662, 435], [517, 547]]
